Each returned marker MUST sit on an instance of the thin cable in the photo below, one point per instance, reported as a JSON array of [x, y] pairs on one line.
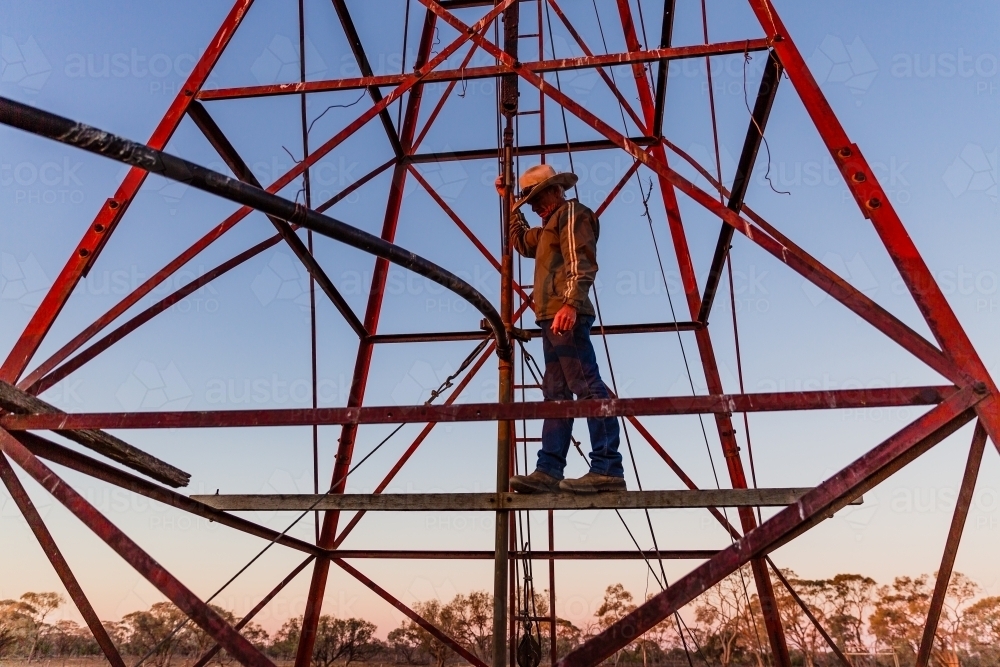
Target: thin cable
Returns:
[[760, 130]]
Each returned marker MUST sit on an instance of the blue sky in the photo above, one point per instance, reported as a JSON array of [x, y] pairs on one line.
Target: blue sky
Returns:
[[917, 88]]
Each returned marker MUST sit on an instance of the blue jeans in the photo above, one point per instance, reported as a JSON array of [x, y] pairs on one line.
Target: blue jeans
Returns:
[[571, 368]]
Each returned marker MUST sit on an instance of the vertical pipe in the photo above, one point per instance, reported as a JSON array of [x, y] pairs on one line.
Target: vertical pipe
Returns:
[[552, 593], [505, 429]]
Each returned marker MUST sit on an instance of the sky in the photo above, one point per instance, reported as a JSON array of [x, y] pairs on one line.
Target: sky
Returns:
[[917, 87]]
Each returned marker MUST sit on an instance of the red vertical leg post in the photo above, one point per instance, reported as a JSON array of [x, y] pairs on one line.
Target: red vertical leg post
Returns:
[[553, 627], [59, 563], [951, 545], [345, 449], [107, 218], [713, 380]]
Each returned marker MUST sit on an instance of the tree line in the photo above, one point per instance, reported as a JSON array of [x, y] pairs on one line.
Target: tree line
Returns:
[[873, 624]]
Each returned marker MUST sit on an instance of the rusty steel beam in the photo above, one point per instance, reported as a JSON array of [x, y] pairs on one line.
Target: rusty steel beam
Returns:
[[609, 329], [58, 561], [199, 612], [111, 212], [962, 505], [668, 405], [16, 401], [492, 502], [521, 151], [858, 477], [487, 72]]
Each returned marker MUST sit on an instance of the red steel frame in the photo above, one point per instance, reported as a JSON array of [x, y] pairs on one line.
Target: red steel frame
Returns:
[[971, 394]]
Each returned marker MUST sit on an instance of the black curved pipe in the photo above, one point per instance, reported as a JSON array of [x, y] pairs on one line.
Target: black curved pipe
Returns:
[[153, 161]]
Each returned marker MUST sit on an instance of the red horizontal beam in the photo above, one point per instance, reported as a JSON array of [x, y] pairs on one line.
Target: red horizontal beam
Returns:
[[464, 74], [667, 405]]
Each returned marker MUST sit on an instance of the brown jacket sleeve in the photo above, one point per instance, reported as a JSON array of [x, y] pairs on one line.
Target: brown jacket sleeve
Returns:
[[523, 238], [578, 231]]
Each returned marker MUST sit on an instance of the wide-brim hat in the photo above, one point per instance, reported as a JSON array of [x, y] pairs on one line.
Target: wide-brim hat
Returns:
[[535, 179]]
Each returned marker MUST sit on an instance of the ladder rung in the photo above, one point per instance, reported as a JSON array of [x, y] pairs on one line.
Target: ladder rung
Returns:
[[527, 439], [527, 386], [526, 35], [528, 113]]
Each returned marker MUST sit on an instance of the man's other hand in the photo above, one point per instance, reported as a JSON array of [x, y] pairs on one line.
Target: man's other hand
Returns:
[[501, 188], [565, 320]]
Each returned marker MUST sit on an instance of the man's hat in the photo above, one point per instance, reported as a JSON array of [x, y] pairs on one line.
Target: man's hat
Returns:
[[537, 178]]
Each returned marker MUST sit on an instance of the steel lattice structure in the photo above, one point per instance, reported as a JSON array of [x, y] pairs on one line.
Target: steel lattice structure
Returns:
[[969, 395]]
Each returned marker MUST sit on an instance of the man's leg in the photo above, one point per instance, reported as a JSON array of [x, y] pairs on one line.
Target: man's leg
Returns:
[[579, 366], [556, 433]]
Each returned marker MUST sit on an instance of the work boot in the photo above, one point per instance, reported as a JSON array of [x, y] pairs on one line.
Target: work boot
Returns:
[[536, 482], [593, 482]]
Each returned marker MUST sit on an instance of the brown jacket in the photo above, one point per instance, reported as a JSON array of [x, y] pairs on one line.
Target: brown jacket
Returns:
[[565, 253]]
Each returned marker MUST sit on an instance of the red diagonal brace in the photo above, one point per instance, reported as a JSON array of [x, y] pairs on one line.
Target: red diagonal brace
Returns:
[[199, 612]]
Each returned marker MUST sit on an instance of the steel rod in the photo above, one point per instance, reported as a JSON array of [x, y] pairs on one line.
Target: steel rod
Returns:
[[661, 406], [503, 501], [469, 73]]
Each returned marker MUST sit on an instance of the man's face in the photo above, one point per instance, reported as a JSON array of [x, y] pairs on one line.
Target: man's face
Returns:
[[547, 201]]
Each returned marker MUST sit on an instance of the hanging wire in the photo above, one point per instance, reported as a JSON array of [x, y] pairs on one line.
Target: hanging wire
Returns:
[[746, 101]]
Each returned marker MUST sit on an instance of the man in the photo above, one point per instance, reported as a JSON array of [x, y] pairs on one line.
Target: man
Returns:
[[565, 252]]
